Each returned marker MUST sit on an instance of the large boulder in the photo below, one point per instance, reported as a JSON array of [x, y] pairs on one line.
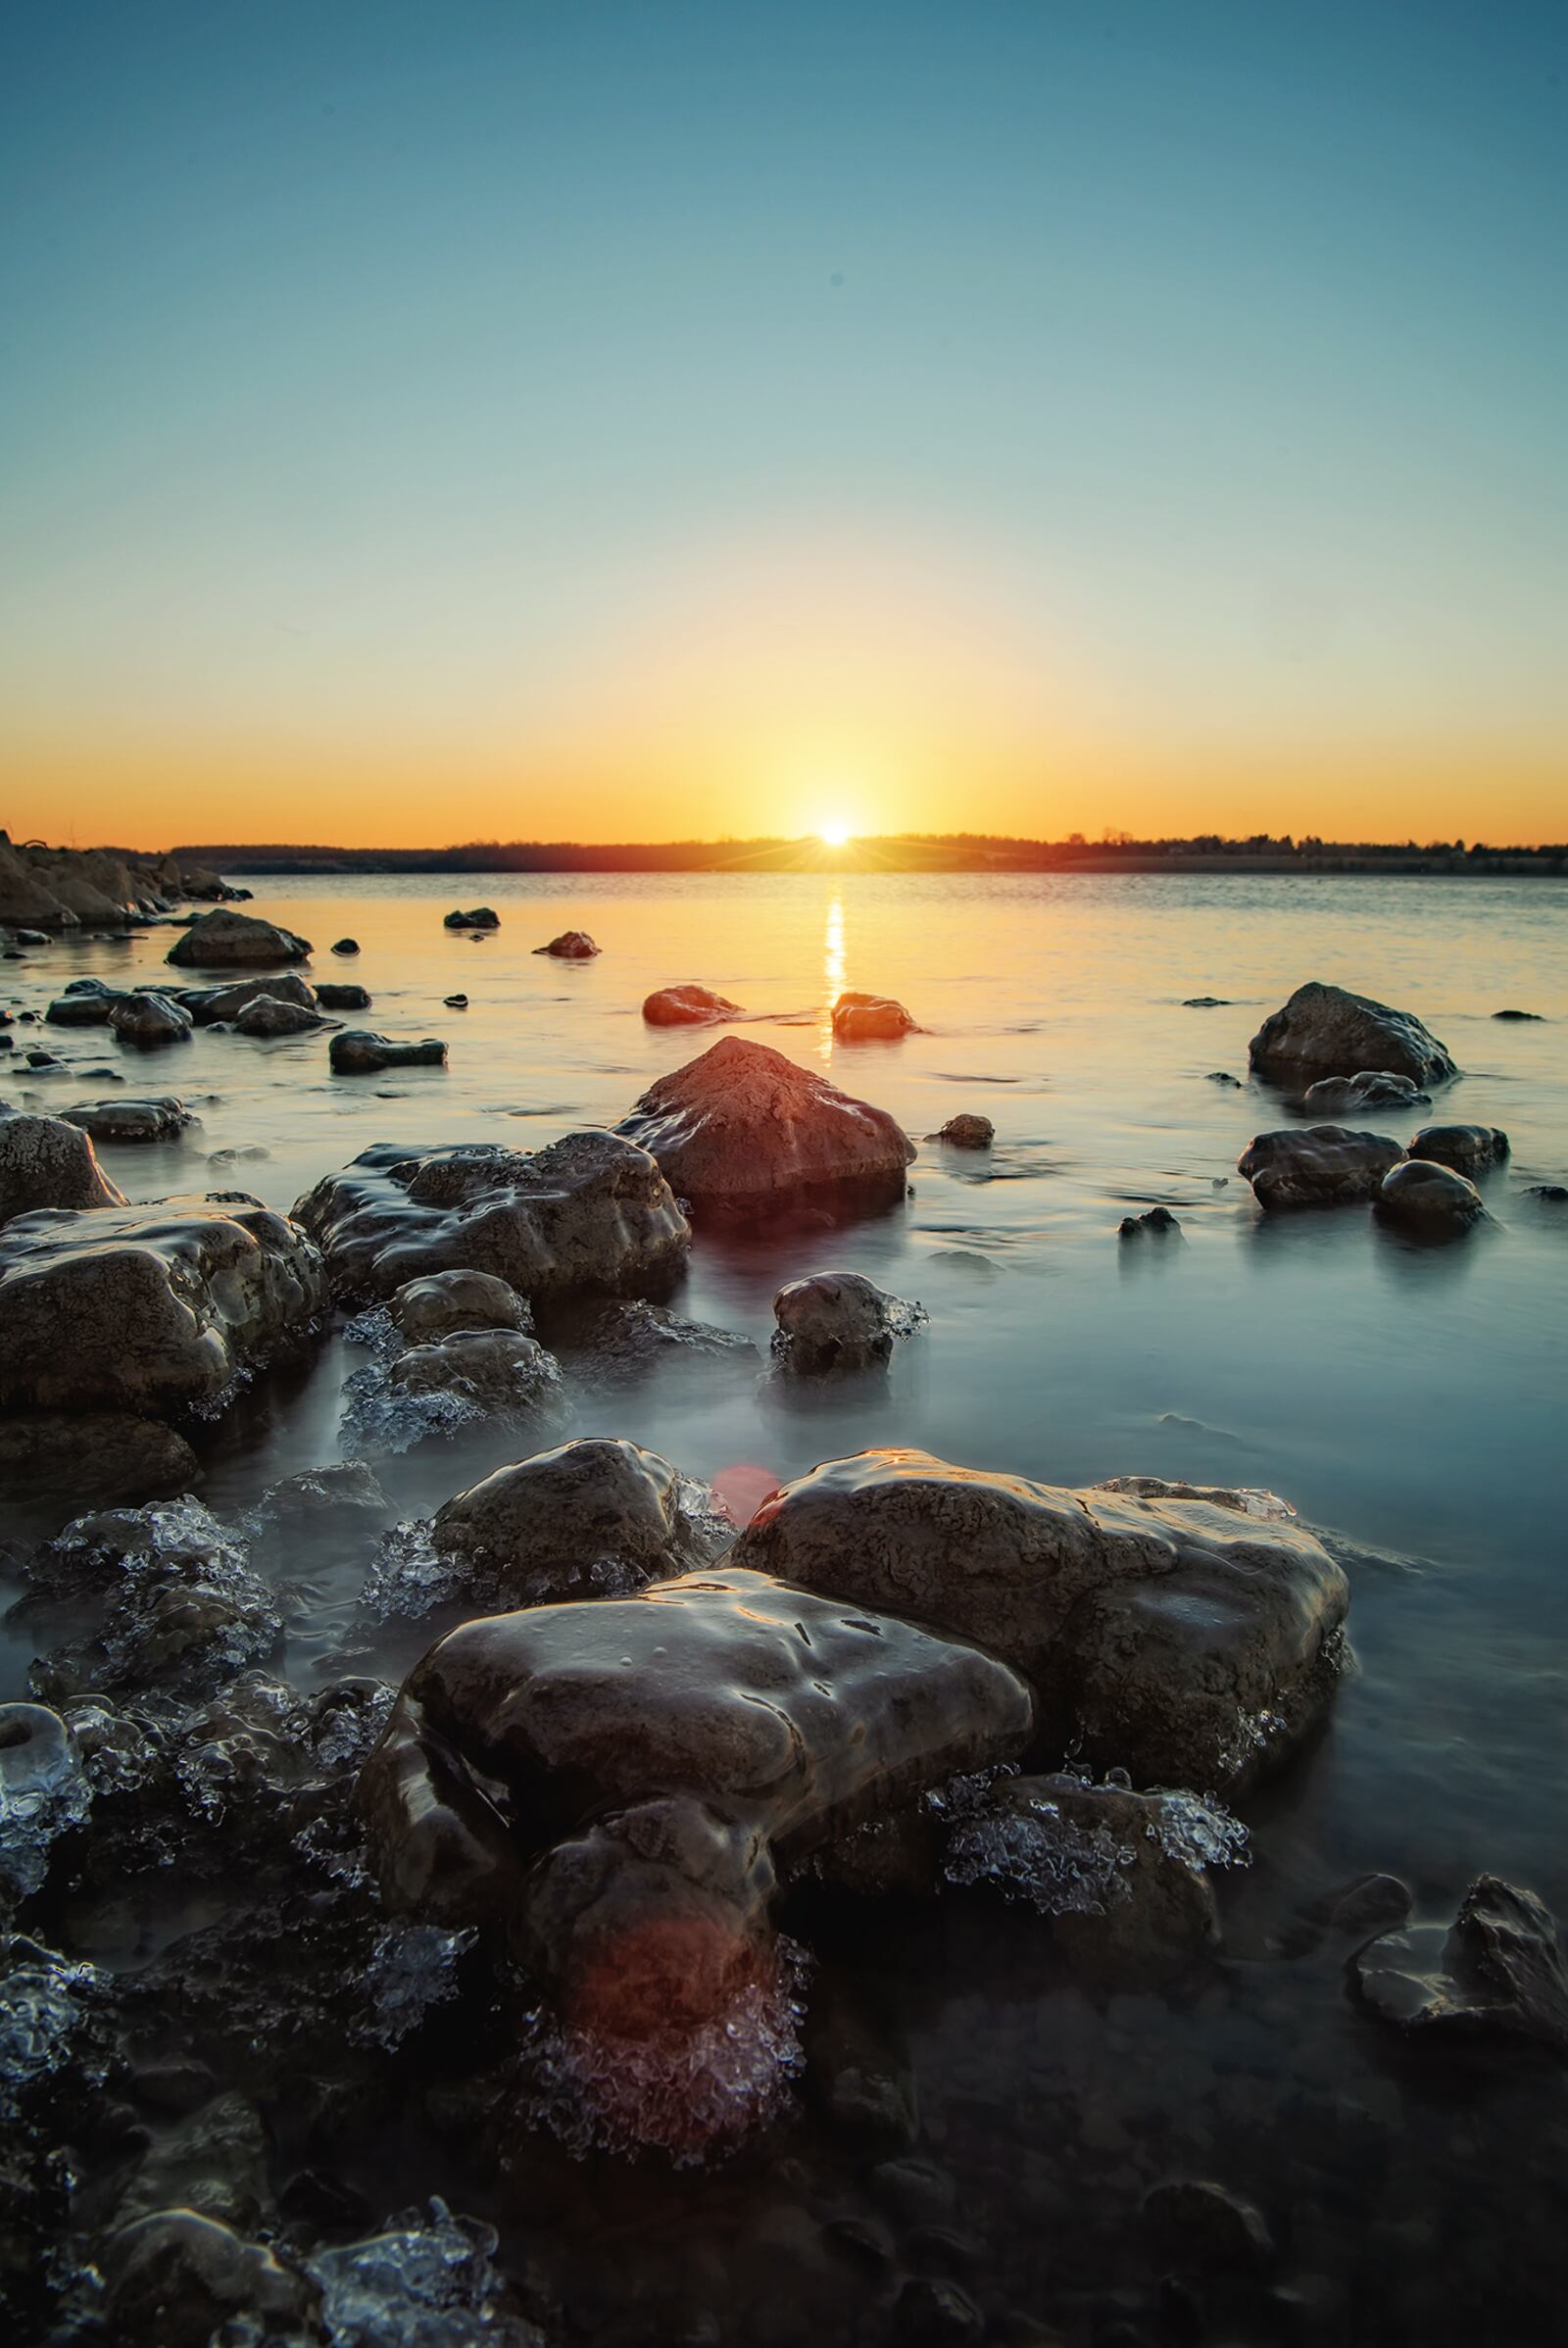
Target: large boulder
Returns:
[[1465, 1148], [163, 1119], [1428, 1199], [1497, 1971], [224, 939], [590, 1211], [1186, 1642], [356, 1051], [208, 1004], [589, 1518], [24, 898], [870, 1019], [1326, 1031], [49, 1161], [150, 1308], [743, 1126], [688, 1006], [1317, 1165], [149, 1021]]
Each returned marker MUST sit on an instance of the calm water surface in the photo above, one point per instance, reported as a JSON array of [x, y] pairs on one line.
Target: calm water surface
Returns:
[[1410, 1398]]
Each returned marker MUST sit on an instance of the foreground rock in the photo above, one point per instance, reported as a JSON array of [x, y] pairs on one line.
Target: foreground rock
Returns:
[[744, 1126], [1368, 1088], [833, 1321], [572, 946], [968, 1131], [1180, 1642], [1326, 1031], [148, 1021], [82, 1005], [150, 1308], [870, 1019], [228, 941], [1429, 1198], [356, 1052], [207, 1005], [483, 916], [423, 1312], [687, 1006], [163, 1119], [1465, 1148], [591, 1211], [1496, 1969], [49, 1162], [1317, 1165]]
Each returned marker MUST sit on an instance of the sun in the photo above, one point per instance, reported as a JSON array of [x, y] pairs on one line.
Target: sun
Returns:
[[834, 834]]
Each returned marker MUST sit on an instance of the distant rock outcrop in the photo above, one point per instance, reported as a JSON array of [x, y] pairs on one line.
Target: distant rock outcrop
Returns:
[[93, 887]]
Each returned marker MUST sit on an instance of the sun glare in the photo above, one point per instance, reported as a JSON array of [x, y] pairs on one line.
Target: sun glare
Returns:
[[834, 835]]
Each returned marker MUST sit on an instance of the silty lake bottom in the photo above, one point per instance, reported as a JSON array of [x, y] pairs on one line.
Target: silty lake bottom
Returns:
[[966, 2150]]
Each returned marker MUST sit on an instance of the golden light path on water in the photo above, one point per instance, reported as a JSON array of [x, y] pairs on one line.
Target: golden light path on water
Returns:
[[833, 966]]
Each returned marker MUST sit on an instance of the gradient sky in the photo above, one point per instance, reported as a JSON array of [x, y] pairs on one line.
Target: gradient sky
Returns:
[[482, 418]]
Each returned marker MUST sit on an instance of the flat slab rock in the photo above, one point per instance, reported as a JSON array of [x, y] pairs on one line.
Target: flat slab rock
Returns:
[[1327, 1031], [150, 1308], [1498, 1970], [744, 1124], [1183, 1642], [590, 1211]]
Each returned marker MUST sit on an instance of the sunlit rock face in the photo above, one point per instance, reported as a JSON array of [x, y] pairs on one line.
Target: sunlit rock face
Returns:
[[572, 946], [1463, 1149], [1185, 1642], [870, 1019], [163, 1118], [229, 941], [591, 1211], [1317, 1165], [208, 1004], [49, 1162], [742, 1125], [1326, 1031], [687, 1006], [150, 1308]]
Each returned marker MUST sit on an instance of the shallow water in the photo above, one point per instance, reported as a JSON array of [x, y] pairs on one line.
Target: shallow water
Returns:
[[1410, 1398]]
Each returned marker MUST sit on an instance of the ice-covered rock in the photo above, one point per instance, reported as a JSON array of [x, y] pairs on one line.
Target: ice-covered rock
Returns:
[[43, 1790]]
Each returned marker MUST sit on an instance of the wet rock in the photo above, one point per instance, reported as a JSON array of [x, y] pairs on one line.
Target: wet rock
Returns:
[[1424, 1196], [456, 1003], [483, 916], [297, 1505], [620, 1343], [426, 2283], [1498, 1969], [1554, 1194], [1187, 1643], [177, 2279], [1223, 1076], [90, 1007], [149, 1021], [1368, 1088], [1250, 1498], [342, 997], [1317, 1165], [870, 1019], [968, 1131], [356, 1052], [838, 1321], [346, 946], [1202, 2225], [500, 1374], [1152, 1223], [45, 1063], [163, 1119], [266, 1015], [1326, 1031], [1534, 1016], [207, 1005], [150, 1308], [589, 1211], [49, 1162], [213, 2162], [743, 1126], [688, 1006], [227, 941], [55, 1461], [1370, 1903], [1204, 1002], [1464, 1148], [43, 1793], [423, 1312], [572, 946], [588, 1517]]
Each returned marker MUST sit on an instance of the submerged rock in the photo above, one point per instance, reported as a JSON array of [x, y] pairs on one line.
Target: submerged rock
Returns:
[[163, 1119], [870, 1019], [342, 997], [57, 1463], [687, 1006], [838, 1321], [1155, 1222], [1428, 1197], [227, 941], [622, 1341], [1532, 1016], [1182, 1641], [207, 1005], [150, 1308], [589, 1211], [149, 1021], [356, 1052], [742, 1125], [1368, 1088], [49, 1162], [968, 1131], [266, 1015], [1317, 1165], [423, 1312], [572, 946], [483, 916], [500, 1374], [1326, 1031], [1497, 1968], [346, 946], [1465, 1148]]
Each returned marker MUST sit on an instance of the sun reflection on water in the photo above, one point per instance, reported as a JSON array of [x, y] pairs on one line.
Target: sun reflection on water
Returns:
[[833, 966]]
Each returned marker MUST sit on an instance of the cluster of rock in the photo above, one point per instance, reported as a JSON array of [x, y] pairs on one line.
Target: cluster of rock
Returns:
[[94, 888], [1426, 1185]]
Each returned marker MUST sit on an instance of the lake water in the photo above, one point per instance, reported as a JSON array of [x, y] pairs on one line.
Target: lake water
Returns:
[[1410, 1398]]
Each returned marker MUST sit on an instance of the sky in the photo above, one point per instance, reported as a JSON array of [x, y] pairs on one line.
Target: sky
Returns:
[[492, 418]]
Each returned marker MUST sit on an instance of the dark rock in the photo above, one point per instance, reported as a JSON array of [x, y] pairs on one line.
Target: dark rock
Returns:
[[870, 1019], [1428, 1197], [620, 1343], [89, 1008], [148, 1021], [1371, 1903], [228, 941], [1498, 1969], [1204, 1002], [346, 946], [838, 1321], [1326, 1031], [46, 1064], [1464, 1148], [456, 1003], [177, 2278], [501, 1373], [49, 1162], [483, 916], [572, 946], [1223, 1076], [1317, 1165], [1534, 1016], [213, 2162], [1368, 1088], [589, 1211], [356, 1052], [207, 1005], [861, 2081], [1152, 1223], [267, 1016], [1555, 1194], [1202, 2225], [342, 997], [688, 1006], [742, 1125], [163, 1119], [935, 2314], [62, 1461], [968, 1132], [423, 1312]]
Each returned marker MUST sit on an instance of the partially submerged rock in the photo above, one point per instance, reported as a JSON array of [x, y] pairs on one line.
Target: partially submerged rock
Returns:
[[228, 941], [178, 2280], [206, 1005], [55, 1462], [1368, 1088], [1317, 1165], [572, 946], [82, 1005], [150, 1308], [425, 1312], [590, 1211], [163, 1119], [743, 1126], [838, 1321], [50, 1162], [1156, 1222], [1465, 1148], [1327, 1031], [620, 1343], [345, 946], [1497, 1968], [342, 997], [356, 1052], [870, 1019], [687, 1006], [266, 1015], [967, 1131], [1428, 1197], [149, 1021], [1184, 1642], [483, 916], [499, 1374]]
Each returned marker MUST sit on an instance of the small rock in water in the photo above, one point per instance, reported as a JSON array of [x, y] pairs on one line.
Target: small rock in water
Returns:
[[870, 1019], [1534, 1016], [149, 1021], [1463, 1149], [968, 1132], [1317, 1165], [1428, 1197], [1555, 1194], [264, 1015], [456, 1003], [1498, 1967], [1204, 1002], [356, 1051], [838, 1321], [483, 916], [1222, 1076], [572, 946], [346, 946], [160, 1120], [622, 1341], [1368, 1088], [687, 1006], [1154, 1222], [342, 997]]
